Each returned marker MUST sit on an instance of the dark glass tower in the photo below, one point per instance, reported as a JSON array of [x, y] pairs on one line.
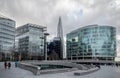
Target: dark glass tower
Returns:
[[60, 36]]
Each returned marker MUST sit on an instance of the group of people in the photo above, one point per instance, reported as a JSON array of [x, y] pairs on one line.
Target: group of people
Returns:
[[7, 65]]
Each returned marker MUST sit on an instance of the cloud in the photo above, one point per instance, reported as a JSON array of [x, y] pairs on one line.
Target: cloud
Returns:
[[74, 13]]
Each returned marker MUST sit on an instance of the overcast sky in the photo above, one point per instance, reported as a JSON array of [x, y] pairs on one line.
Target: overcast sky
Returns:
[[74, 13]]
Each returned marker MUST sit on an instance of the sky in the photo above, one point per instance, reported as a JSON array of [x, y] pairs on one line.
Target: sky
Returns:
[[74, 13]]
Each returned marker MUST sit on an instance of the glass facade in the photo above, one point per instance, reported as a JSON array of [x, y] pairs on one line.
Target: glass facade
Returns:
[[54, 49], [7, 35], [30, 40], [92, 42]]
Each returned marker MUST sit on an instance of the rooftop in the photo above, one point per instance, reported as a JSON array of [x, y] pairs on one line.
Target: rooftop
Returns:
[[84, 27], [4, 17], [32, 25]]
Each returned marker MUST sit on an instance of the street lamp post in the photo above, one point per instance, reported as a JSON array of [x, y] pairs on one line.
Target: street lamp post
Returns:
[[45, 45]]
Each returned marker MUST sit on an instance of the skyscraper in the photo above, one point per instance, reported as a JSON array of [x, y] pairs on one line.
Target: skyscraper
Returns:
[[59, 29], [60, 35], [56, 48]]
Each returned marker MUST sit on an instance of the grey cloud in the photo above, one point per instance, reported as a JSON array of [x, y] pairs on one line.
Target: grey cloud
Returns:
[[46, 12]]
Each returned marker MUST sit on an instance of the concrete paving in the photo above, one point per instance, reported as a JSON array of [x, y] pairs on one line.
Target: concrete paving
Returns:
[[104, 72]]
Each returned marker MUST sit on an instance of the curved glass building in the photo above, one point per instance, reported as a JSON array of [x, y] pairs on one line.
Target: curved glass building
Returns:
[[92, 42]]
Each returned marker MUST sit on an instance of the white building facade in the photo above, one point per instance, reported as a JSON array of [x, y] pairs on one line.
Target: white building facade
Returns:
[[7, 37], [30, 41]]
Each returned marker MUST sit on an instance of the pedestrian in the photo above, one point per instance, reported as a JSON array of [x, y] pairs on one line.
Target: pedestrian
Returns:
[[16, 63], [5, 64], [9, 65]]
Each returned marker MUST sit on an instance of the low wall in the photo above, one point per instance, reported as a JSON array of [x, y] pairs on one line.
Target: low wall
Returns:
[[36, 69], [86, 72], [57, 70], [32, 68]]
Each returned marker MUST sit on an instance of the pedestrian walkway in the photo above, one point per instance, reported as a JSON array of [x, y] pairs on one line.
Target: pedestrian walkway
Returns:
[[13, 72], [104, 72]]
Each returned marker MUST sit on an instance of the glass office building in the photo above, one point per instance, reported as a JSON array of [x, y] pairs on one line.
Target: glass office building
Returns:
[[7, 37], [30, 41], [54, 49], [92, 42]]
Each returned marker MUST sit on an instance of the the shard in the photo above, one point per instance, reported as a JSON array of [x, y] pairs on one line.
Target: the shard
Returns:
[[60, 36]]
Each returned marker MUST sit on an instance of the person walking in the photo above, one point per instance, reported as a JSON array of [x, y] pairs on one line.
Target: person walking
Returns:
[[5, 64], [16, 63], [9, 65]]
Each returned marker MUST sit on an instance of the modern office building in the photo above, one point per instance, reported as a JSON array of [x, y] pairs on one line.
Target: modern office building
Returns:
[[54, 49], [30, 41], [96, 42], [7, 37], [57, 47]]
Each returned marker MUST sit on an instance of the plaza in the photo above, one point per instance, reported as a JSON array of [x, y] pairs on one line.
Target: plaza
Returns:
[[104, 72]]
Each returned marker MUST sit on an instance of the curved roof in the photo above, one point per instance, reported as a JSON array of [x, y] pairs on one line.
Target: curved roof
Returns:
[[89, 26]]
